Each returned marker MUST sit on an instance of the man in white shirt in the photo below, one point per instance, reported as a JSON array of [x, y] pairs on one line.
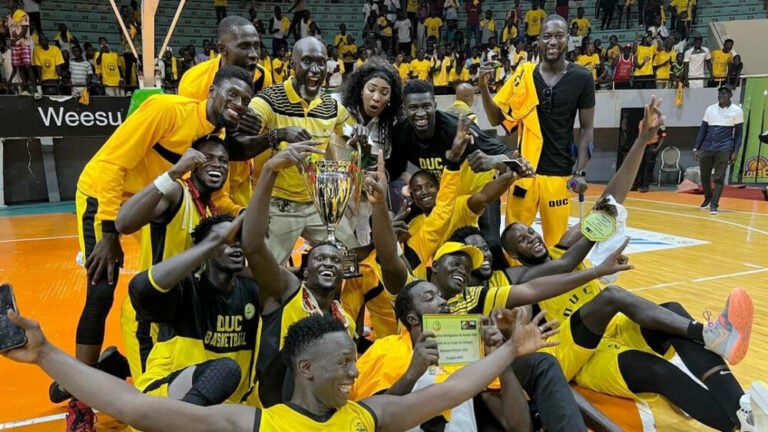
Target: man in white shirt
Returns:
[[695, 59], [403, 28]]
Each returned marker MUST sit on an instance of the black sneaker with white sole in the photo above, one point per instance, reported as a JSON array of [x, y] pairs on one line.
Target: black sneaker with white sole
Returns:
[[705, 204], [713, 210]]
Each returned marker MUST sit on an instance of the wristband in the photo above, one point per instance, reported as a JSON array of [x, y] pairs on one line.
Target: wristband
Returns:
[[594, 270], [164, 183], [108, 227], [272, 139]]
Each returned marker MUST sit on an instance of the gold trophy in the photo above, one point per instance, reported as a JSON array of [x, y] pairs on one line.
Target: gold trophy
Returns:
[[331, 183]]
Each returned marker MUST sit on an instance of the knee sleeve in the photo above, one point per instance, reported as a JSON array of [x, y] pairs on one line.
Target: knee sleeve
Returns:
[[98, 302], [213, 382], [581, 334]]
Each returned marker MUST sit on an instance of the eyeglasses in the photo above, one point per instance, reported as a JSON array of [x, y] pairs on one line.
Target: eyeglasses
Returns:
[[546, 104]]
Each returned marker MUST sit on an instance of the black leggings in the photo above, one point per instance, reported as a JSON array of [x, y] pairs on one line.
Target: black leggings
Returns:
[[647, 373]]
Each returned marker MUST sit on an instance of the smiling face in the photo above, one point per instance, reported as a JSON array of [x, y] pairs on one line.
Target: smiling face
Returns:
[[524, 244], [485, 271], [420, 111], [376, 95], [228, 258], [329, 365], [451, 273], [309, 63], [325, 268], [423, 189], [212, 174], [241, 47], [554, 41], [229, 101]]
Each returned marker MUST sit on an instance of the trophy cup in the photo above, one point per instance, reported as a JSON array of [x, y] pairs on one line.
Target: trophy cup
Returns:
[[331, 183]]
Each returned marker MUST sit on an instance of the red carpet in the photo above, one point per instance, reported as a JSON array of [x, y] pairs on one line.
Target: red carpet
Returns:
[[730, 191]]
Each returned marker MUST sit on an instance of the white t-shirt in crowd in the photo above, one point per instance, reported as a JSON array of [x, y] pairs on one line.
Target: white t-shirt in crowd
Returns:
[[403, 28], [696, 60], [334, 78], [574, 42]]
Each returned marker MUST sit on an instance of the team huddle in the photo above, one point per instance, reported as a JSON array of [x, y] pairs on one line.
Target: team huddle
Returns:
[[226, 328]]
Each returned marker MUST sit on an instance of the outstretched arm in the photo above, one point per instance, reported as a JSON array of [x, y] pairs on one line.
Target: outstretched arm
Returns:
[[396, 413], [552, 286], [393, 269], [276, 281], [570, 259], [120, 399]]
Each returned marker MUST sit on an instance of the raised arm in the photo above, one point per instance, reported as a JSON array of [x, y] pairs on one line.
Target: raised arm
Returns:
[[492, 111], [276, 281], [397, 413], [152, 201], [547, 287], [120, 399], [393, 269], [570, 259]]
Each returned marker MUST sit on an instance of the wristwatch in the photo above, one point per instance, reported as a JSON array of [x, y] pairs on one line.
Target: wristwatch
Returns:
[[580, 173]]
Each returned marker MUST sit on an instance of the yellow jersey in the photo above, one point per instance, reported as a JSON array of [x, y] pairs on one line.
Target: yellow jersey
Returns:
[[663, 63], [720, 62], [564, 305], [645, 53], [146, 145], [433, 25], [589, 62], [420, 68], [48, 60], [404, 69], [109, 69], [353, 416], [280, 106], [278, 77], [441, 77], [508, 35], [534, 18], [583, 24]]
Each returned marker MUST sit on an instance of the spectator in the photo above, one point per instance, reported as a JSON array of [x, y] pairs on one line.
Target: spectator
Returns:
[[612, 52], [626, 10], [663, 64], [109, 69], [533, 19], [518, 56], [187, 61], [509, 33], [421, 29], [404, 31], [280, 65], [658, 30], [502, 74], [492, 53], [460, 73], [221, 10], [678, 71], [433, 24], [420, 66], [696, 59], [622, 68], [609, 6], [603, 76], [18, 26], [402, 67], [717, 145], [440, 68], [584, 25], [681, 11], [392, 9], [370, 8], [265, 60], [169, 70], [561, 8], [473, 9], [65, 36], [362, 58], [385, 32], [487, 28], [462, 105], [80, 71], [205, 54], [252, 14], [590, 60], [48, 60], [278, 28], [451, 12], [734, 72], [348, 51], [721, 59], [574, 40], [315, 31], [412, 9], [643, 74], [644, 176], [65, 86], [334, 67], [90, 53], [340, 38]]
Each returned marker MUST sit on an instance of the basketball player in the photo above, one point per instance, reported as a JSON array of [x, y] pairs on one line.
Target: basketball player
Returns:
[[542, 101], [322, 356], [144, 147]]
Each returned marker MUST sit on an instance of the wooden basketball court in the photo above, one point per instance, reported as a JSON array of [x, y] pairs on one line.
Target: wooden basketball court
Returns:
[[691, 257]]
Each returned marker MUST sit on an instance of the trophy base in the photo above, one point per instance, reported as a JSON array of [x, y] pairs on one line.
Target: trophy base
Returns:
[[351, 265]]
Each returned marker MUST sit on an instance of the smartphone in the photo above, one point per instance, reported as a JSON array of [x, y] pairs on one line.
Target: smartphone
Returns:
[[515, 165], [11, 335]]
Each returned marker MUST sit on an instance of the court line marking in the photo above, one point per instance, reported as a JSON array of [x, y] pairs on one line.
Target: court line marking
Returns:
[[38, 238], [694, 206], [753, 265], [33, 421], [704, 279]]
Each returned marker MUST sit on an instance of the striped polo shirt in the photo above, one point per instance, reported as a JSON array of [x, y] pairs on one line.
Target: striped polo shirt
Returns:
[[280, 106]]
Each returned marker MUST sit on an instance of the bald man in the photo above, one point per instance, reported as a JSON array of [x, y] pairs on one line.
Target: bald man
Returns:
[[465, 98]]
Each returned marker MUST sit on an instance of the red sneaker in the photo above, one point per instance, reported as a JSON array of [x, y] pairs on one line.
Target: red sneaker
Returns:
[[80, 417]]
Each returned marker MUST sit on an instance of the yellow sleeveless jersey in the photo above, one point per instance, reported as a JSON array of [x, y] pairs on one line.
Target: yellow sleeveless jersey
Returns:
[[274, 328], [352, 417], [564, 305]]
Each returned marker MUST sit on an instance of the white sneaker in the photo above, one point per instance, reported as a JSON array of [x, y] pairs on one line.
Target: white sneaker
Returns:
[[745, 414]]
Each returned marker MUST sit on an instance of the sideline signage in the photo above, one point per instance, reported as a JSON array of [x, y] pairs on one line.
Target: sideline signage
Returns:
[[62, 116]]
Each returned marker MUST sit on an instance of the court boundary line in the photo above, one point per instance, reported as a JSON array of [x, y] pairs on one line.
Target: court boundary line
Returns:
[[32, 421], [694, 206], [38, 238], [697, 280]]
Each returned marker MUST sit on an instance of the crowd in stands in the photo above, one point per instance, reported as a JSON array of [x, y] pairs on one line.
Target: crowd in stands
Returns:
[[423, 39]]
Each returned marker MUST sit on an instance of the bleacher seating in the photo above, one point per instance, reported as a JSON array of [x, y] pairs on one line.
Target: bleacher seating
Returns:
[[88, 20]]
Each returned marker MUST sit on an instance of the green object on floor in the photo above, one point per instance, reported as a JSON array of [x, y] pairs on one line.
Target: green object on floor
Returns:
[[139, 96]]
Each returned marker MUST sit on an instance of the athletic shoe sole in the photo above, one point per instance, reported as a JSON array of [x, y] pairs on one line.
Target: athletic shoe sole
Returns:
[[740, 314]]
